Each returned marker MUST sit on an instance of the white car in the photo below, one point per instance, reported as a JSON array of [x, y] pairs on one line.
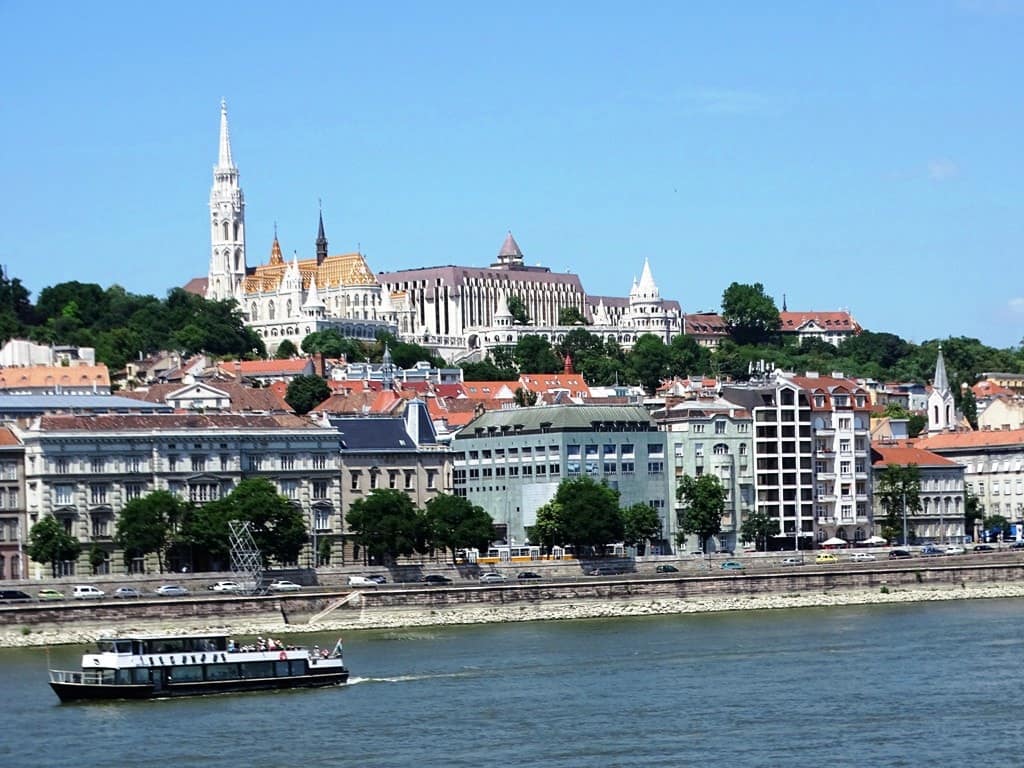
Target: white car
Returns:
[[492, 577], [862, 557], [86, 592], [955, 550], [361, 581], [226, 586], [283, 585]]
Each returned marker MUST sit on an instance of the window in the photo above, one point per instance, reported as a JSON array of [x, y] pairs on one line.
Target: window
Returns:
[[698, 427], [743, 426], [172, 463], [845, 467], [609, 449], [132, 491], [374, 479], [743, 449], [655, 450], [9, 470], [527, 470], [610, 467], [555, 470], [591, 451], [355, 480], [719, 427], [432, 479], [100, 526], [322, 519], [527, 452], [133, 464], [321, 489], [392, 478], [255, 463], [287, 461], [198, 463], [721, 449], [225, 462], [98, 493], [698, 450], [96, 465], [62, 466], [474, 455], [627, 450], [203, 492], [409, 476], [12, 498], [845, 422], [319, 461], [627, 467], [655, 467], [62, 495], [290, 489], [844, 446]]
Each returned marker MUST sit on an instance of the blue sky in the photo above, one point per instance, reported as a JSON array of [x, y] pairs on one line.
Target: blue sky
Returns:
[[851, 155]]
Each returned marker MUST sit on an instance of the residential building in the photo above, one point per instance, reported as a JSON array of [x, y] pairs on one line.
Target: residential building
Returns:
[[13, 531], [77, 379], [83, 470], [511, 462], [941, 517], [831, 327], [710, 436]]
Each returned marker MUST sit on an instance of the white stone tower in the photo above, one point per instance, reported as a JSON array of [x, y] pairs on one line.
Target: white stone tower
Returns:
[[226, 279], [941, 411]]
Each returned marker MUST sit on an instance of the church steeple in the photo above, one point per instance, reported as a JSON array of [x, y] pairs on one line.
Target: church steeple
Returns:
[[321, 241], [941, 407], [226, 277]]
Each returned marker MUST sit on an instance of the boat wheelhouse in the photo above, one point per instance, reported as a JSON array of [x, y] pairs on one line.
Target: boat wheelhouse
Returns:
[[148, 667]]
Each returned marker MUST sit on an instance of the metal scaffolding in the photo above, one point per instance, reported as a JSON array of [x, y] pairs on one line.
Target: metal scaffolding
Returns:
[[245, 556]]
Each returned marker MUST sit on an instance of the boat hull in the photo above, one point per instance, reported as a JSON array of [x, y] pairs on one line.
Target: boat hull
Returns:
[[69, 692]]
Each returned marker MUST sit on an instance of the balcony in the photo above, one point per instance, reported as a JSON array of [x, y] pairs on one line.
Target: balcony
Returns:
[[826, 497], [828, 475]]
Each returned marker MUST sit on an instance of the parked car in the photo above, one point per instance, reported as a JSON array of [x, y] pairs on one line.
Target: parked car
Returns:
[[283, 585], [725, 552], [226, 586], [955, 550], [604, 571], [899, 554], [48, 595], [86, 592], [127, 593], [666, 568], [492, 577], [984, 548], [862, 557], [1017, 545], [791, 561], [171, 590], [930, 550], [825, 557], [434, 579], [527, 575], [378, 578], [362, 581], [14, 596], [732, 565]]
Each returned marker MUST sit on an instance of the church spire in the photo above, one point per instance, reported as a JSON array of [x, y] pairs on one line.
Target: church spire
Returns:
[[941, 381], [321, 240], [224, 154]]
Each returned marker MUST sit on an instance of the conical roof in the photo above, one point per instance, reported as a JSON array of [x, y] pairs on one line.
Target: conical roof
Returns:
[[224, 149], [941, 381], [510, 249]]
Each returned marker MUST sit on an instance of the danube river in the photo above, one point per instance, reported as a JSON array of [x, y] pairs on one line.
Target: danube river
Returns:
[[922, 684]]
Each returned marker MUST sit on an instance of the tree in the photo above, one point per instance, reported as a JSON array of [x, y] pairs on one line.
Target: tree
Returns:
[[331, 344], [286, 350], [588, 513], [454, 522], [687, 357], [968, 406], [535, 355], [973, 510], [640, 524], [524, 397], [305, 393], [486, 370], [145, 524], [757, 526], [205, 531], [570, 316], [278, 527], [899, 492], [649, 360], [386, 524], [703, 502], [546, 531], [996, 528], [517, 309], [750, 313], [49, 542]]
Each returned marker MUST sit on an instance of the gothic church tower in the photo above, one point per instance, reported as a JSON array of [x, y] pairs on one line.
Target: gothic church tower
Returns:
[[226, 279], [941, 410]]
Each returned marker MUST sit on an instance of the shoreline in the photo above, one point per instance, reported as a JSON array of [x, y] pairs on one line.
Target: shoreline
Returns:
[[560, 610]]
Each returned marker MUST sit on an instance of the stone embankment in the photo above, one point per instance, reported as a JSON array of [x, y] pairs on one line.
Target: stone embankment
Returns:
[[371, 613]]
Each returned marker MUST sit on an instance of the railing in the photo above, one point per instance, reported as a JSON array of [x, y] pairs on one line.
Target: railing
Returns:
[[80, 677]]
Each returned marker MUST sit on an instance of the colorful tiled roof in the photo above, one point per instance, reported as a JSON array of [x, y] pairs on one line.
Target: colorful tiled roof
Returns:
[[967, 440], [883, 455], [54, 376], [830, 321]]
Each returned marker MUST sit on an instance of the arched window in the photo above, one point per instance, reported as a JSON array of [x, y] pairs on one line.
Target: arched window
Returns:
[[288, 308], [271, 310], [226, 230], [254, 312], [721, 449]]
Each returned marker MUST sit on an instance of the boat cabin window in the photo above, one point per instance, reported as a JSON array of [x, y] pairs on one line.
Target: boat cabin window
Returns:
[[123, 647]]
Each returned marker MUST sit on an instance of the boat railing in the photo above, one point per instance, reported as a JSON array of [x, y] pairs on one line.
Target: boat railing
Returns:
[[78, 677]]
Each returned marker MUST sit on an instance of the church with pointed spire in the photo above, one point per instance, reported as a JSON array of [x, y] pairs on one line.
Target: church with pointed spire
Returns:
[[460, 312], [941, 407]]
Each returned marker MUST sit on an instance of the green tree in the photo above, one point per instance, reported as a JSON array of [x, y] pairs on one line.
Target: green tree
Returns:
[[486, 370], [757, 526], [687, 357], [517, 308], [49, 542], [968, 406], [546, 531], [305, 393], [331, 344], [650, 360], [524, 397], [899, 492], [973, 510], [16, 310], [570, 316], [640, 524], [145, 524], [534, 354], [286, 350], [386, 524], [205, 531], [703, 502], [454, 522], [996, 527], [589, 514], [750, 313], [278, 527]]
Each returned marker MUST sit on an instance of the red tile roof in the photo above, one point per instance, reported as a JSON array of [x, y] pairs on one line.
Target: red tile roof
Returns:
[[983, 439], [7, 437], [292, 367], [242, 398], [46, 376], [830, 321], [885, 455]]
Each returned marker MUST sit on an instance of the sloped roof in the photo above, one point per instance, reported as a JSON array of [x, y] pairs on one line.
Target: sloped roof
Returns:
[[7, 437], [197, 286], [830, 321], [373, 433], [46, 376], [291, 367], [578, 417], [883, 455], [172, 421], [242, 398], [967, 440], [488, 390]]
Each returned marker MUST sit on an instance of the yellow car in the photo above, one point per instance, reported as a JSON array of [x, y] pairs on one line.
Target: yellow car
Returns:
[[825, 557]]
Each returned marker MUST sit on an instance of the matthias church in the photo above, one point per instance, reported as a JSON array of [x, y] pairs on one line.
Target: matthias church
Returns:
[[459, 312]]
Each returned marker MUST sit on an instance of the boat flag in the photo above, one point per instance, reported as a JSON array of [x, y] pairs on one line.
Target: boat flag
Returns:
[[337, 649]]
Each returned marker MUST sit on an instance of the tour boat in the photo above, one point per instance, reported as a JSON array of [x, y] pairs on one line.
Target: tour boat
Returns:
[[152, 667]]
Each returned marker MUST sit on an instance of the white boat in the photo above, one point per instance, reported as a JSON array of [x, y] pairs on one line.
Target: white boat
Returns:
[[159, 666]]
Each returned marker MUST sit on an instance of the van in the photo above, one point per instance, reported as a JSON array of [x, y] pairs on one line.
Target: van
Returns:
[[86, 592], [361, 581], [14, 596]]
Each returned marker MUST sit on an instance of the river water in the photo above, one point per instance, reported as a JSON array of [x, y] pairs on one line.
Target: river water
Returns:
[[924, 684]]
